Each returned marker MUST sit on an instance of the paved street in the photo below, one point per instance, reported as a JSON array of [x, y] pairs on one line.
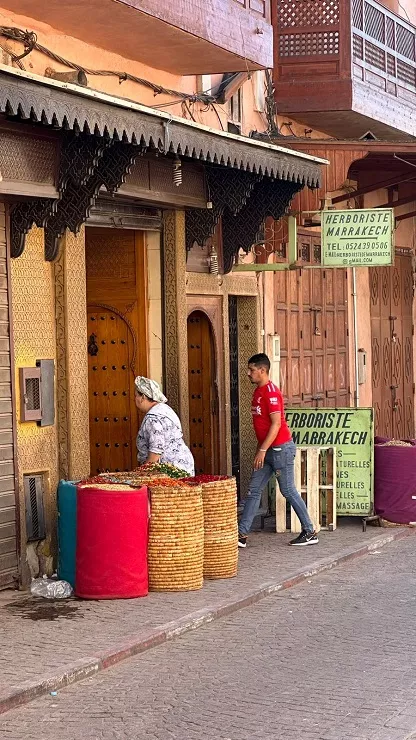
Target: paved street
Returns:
[[69, 628], [332, 659]]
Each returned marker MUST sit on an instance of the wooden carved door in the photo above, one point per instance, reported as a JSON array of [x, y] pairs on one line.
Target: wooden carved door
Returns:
[[312, 320], [203, 395], [392, 348], [117, 345]]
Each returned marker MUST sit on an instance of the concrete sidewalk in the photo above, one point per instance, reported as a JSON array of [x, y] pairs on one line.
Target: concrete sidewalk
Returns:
[[45, 645]]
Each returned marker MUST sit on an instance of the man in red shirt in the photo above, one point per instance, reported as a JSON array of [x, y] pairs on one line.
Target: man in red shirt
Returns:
[[275, 453]]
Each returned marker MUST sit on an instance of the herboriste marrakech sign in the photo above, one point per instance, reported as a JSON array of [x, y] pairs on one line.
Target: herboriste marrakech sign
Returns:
[[350, 431], [358, 238]]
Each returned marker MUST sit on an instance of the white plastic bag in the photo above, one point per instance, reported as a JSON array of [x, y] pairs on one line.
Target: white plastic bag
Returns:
[[51, 588]]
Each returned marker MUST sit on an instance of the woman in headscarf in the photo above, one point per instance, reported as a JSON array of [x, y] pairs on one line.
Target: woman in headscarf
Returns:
[[160, 437]]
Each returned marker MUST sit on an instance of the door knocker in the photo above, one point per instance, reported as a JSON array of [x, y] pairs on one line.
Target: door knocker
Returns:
[[92, 345]]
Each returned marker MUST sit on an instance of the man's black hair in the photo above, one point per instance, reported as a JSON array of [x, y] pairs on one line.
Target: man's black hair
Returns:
[[260, 360]]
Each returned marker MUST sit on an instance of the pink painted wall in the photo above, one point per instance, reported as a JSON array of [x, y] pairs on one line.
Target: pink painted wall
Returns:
[[91, 57], [404, 8]]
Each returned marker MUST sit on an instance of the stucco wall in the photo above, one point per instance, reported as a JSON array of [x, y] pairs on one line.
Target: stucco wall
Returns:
[[34, 337]]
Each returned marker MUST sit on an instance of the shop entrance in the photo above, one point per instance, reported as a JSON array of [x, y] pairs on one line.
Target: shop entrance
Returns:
[[312, 321], [203, 394], [117, 344], [392, 348]]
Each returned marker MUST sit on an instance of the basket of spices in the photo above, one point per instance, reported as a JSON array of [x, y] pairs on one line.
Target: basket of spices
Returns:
[[219, 497], [158, 468], [135, 478], [176, 536]]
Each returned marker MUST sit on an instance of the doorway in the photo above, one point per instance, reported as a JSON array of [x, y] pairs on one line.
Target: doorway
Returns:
[[203, 394], [117, 343], [311, 317], [392, 348]]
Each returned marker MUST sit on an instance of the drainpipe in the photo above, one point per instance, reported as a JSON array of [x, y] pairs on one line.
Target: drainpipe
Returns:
[[264, 314], [354, 303]]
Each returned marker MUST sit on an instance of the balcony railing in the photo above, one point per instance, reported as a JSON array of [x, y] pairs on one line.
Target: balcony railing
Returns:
[[384, 48], [341, 40]]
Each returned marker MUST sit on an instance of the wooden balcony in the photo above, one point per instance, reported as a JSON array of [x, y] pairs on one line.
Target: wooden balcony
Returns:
[[346, 67], [183, 37]]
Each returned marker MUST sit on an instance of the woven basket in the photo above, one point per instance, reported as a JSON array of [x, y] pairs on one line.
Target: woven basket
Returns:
[[176, 539], [220, 528]]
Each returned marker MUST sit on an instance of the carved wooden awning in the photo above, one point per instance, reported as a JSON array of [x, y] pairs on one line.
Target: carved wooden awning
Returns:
[[103, 137], [243, 201], [45, 101]]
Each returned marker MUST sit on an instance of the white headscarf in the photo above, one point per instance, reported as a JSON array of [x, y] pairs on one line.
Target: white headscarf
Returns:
[[150, 389]]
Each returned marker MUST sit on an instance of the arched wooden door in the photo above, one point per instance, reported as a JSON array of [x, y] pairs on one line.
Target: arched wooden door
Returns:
[[203, 394]]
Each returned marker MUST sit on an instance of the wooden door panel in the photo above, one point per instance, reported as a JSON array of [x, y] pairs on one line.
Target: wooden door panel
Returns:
[[117, 310], [376, 353], [203, 419], [331, 374], [319, 389], [113, 421], [330, 330], [295, 377], [341, 330], [294, 330], [283, 317], [292, 291], [306, 283], [330, 281], [392, 346], [307, 377], [313, 326], [283, 377], [307, 330], [340, 278]]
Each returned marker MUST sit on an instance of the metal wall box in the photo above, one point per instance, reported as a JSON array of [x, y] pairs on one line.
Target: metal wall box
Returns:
[[37, 393], [47, 387], [33, 486], [30, 394]]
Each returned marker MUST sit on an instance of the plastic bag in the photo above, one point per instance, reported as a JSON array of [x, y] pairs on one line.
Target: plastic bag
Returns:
[[51, 588]]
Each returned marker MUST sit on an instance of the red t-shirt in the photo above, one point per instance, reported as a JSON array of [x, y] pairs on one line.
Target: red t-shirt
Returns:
[[267, 400]]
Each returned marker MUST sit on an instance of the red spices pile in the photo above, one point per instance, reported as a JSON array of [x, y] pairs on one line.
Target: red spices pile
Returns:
[[167, 483], [95, 479], [198, 479]]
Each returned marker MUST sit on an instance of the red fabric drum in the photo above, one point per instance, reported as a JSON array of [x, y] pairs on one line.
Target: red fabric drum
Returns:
[[112, 532]]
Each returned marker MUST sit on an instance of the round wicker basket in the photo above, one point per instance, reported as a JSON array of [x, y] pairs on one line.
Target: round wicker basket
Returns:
[[176, 538], [220, 528]]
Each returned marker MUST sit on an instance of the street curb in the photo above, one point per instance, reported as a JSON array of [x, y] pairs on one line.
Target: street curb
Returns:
[[145, 640]]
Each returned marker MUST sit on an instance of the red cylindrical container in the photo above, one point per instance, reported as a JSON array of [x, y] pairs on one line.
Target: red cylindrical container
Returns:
[[112, 532]]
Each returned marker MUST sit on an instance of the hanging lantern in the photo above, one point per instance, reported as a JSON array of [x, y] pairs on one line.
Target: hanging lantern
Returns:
[[177, 172], [213, 262]]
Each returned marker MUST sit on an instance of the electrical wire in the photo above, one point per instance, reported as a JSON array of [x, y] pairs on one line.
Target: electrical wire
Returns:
[[30, 43], [214, 108], [13, 57], [404, 11]]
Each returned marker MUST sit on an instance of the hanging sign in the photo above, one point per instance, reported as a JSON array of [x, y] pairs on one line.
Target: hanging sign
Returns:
[[350, 431], [358, 238]]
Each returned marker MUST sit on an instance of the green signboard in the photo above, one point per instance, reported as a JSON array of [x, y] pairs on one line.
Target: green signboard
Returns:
[[351, 432], [358, 238]]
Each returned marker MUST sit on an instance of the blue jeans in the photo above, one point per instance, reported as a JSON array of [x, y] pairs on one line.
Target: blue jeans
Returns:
[[278, 459]]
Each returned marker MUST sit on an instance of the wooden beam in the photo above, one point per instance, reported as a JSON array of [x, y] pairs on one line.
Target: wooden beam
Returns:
[[399, 202], [404, 216], [375, 186]]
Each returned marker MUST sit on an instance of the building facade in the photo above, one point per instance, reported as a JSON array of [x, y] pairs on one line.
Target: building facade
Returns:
[[130, 185], [345, 72]]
